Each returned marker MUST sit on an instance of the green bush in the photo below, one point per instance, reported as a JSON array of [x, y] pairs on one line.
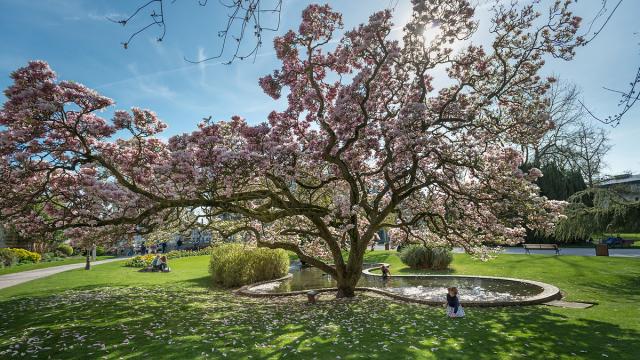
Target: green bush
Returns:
[[422, 257], [64, 250], [26, 256], [416, 256], [441, 258], [234, 265], [48, 256], [7, 258], [100, 251]]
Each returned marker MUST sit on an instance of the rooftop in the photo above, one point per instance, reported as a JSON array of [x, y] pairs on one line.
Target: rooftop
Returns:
[[620, 179]]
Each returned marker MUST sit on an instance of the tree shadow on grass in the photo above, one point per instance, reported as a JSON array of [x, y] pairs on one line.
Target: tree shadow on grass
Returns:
[[187, 323], [202, 282], [624, 286]]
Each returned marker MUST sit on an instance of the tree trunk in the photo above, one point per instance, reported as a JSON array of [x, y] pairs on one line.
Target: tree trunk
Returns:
[[347, 280], [346, 292]]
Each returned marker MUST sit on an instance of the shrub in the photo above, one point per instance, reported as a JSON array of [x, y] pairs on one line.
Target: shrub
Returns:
[[441, 258], [175, 254], [49, 256], [65, 250], [7, 258], [100, 251], [140, 261], [416, 256], [234, 265], [26, 256], [422, 257]]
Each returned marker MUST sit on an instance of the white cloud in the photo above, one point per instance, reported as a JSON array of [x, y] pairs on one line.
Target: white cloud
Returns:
[[201, 63], [149, 87], [93, 16]]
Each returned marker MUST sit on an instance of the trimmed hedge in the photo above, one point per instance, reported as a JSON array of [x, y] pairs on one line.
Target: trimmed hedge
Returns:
[[422, 257], [234, 265], [26, 256], [64, 249]]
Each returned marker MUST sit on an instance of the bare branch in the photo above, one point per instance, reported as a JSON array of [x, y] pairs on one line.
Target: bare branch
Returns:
[[245, 19]]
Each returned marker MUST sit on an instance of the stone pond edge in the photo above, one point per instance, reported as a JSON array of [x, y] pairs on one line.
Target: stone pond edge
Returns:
[[548, 293]]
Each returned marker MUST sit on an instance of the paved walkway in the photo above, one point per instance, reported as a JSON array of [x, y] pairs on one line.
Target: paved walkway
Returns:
[[21, 277], [633, 252]]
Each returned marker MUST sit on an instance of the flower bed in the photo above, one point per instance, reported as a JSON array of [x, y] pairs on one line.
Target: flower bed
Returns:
[[145, 260]]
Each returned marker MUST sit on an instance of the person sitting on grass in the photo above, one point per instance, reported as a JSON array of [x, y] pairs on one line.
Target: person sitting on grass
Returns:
[[164, 266], [156, 264], [454, 309]]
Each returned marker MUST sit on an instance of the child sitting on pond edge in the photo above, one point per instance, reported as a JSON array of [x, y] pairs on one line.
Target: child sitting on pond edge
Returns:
[[454, 309], [385, 272]]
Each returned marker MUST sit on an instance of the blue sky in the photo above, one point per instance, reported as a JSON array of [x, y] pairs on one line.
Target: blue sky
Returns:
[[81, 45]]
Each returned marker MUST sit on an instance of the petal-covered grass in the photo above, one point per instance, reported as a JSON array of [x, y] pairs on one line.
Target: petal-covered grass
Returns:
[[115, 312]]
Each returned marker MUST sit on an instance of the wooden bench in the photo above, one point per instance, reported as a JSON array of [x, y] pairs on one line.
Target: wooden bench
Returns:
[[529, 247]]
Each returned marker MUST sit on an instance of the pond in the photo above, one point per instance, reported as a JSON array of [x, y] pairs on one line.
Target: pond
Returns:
[[433, 288]]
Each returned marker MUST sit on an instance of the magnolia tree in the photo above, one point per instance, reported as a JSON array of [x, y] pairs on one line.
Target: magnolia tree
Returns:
[[366, 142]]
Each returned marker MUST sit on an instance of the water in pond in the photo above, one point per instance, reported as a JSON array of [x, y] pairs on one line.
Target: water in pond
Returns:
[[427, 288]]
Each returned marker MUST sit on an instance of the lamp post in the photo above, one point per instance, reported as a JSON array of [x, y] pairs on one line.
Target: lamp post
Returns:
[[87, 265]]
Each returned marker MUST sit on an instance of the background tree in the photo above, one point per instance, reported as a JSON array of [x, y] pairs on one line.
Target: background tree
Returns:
[[567, 114], [574, 147], [560, 183], [589, 147], [366, 142], [598, 211], [180, 222]]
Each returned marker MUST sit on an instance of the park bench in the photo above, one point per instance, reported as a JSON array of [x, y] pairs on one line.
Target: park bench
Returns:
[[529, 247]]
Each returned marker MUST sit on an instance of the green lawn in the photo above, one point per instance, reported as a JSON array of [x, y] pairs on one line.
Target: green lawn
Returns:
[[116, 312], [42, 265]]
